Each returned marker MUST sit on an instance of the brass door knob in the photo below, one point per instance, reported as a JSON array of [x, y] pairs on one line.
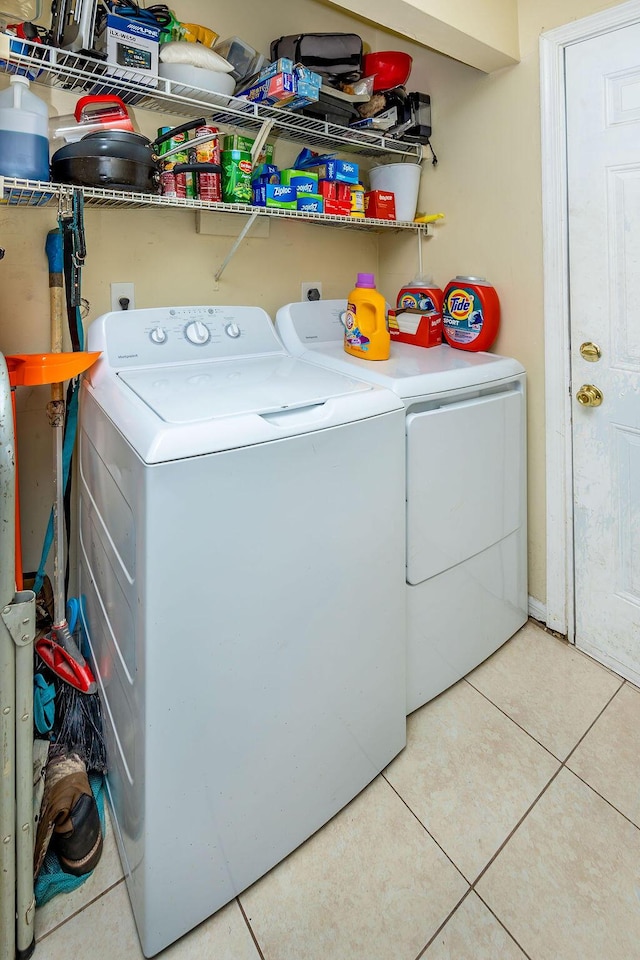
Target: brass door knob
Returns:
[[589, 396]]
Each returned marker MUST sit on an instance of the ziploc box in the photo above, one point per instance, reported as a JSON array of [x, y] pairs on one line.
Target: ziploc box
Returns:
[[310, 203], [280, 195], [303, 181], [282, 65], [133, 46], [344, 171]]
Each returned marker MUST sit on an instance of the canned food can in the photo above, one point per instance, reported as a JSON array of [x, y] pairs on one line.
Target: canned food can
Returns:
[[210, 186], [236, 176], [168, 183], [181, 157], [208, 152], [181, 185], [190, 186]]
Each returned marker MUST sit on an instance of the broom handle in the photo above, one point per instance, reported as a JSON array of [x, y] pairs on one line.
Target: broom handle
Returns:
[[53, 247]]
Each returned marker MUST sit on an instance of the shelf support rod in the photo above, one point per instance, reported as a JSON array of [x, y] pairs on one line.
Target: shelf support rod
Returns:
[[259, 142], [237, 243]]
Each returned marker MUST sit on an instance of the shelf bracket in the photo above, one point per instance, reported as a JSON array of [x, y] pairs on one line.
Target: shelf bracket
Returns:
[[236, 244], [259, 142]]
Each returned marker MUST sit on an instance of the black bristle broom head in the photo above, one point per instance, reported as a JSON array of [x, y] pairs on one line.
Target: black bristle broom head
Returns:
[[78, 724]]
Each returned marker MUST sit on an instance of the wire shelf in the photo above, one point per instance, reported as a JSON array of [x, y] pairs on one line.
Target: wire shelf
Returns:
[[35, 193], [74, 72]]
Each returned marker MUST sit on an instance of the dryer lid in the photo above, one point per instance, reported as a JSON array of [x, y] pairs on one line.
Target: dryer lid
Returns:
[[314, 331]]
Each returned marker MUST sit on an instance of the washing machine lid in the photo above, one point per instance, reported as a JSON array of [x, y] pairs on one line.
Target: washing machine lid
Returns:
[[209, 391], [185, 381], [314, 331], [176, 411]]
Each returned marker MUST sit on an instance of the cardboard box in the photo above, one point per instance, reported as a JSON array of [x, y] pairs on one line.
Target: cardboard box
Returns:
[[416, 327], [380, 204], [339, 208], [274, 91], [280, 195], [133, 46], [303, 182], [268, 170], [346, 171], [311, 203], [332, 190]]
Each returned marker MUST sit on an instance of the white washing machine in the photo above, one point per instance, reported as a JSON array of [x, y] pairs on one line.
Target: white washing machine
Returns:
[[466, 560], [241, 543]]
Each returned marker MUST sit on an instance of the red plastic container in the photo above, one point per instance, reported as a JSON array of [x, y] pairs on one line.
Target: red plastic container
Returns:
[[470, 313], [390, 68]]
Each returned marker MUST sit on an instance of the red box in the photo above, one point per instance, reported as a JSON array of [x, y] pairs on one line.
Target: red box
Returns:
[[380, 204], [334, 190], [339, 208], [418, 328]]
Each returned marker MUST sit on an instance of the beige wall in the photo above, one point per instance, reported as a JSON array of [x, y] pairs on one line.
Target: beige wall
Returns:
[[481, 34], [486, 135]]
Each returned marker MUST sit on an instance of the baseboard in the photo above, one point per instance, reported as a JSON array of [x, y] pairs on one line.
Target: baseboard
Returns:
[[537, 610]]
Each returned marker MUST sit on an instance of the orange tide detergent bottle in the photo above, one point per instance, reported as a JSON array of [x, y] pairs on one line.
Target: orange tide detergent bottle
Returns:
[[470, 313], [366, 334]]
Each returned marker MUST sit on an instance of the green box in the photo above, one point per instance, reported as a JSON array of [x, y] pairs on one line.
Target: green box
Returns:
[[287, 176]]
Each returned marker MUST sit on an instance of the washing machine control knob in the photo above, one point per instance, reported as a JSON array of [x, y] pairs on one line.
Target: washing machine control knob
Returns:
[[158, 335], [232, 330], [196, 332]]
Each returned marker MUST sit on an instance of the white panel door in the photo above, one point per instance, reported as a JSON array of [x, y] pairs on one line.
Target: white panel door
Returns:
[[603, 136]]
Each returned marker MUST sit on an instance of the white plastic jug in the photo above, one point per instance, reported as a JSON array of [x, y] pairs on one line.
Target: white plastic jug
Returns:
[[24, 144]]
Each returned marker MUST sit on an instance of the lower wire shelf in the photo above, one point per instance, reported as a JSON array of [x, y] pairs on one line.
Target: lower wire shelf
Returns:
[[35, 193]]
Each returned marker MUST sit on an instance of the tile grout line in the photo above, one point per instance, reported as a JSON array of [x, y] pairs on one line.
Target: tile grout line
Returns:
[[469, 892], [444, 923], [518, 725], [545, 788], [251, 933], [505, 928], [426, 830], [562, 765], [76, 913], [518, 824]]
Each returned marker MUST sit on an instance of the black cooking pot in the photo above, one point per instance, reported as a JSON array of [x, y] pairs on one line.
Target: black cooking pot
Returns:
[[119, 160]]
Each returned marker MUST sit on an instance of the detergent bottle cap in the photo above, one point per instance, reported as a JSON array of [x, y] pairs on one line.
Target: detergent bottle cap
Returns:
[[366, 280], [421, 281]]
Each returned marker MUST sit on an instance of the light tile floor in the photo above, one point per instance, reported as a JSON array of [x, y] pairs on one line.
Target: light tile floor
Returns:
[[509, 828]]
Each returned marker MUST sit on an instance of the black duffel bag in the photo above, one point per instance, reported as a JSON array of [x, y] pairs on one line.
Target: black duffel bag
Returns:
[[336, 56]]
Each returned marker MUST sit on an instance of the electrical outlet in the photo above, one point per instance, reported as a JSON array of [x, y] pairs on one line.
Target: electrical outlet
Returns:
[[122, 292], [311, 290]]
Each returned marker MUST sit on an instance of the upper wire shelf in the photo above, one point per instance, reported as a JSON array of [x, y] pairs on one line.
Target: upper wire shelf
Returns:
[[74, 72]]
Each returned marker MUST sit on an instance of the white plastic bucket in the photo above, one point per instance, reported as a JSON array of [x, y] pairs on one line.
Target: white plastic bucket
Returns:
[[401, 179]]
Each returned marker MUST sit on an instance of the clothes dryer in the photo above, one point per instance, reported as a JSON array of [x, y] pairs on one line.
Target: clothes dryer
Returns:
[[243, 597], [466, 558]]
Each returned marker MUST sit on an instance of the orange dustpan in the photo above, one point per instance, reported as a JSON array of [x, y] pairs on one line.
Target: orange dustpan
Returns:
[[34, 369], [31, 370]]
